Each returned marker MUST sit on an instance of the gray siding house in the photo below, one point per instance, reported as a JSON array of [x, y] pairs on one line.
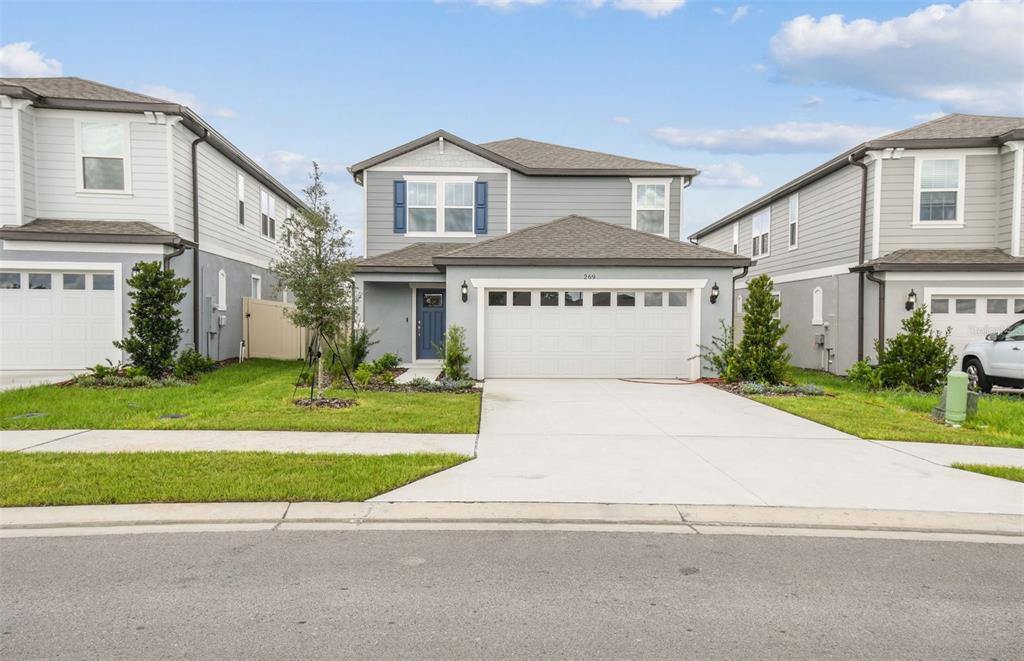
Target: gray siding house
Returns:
[[94, 179], [930, 215], [557, 261]]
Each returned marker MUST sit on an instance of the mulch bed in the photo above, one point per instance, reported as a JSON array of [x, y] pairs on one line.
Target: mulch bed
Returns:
[[325, 403]]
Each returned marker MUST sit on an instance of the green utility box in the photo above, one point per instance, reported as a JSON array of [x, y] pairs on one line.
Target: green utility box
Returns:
[[956, 397]]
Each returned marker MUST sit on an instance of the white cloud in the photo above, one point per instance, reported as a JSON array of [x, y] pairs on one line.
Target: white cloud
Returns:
[[622, 120], [507, 4], [730, 174], [650, 8], [784, 137], [760, 68], [741, 12], [929, 116], [18, 60], [813, 102], [965, 58], [184, 98], [293, 167]]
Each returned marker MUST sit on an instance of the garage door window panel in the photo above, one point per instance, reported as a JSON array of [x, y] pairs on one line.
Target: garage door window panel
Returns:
[[549, 299], [966, 306], [677, 299], [573, 299], [39, 281], [625, 299], [996, 306], [73, 281], [940, 306], [103, 281], [497, 298], [522, 298], [653, 299], [601, 299], [1018, 306], [10, 281]]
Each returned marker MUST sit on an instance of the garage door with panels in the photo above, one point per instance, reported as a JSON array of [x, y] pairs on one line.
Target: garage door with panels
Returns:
[[589, 333], [64, 318], [971, 314]]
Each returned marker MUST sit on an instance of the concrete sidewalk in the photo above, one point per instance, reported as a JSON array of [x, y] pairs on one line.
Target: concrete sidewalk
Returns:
[[152, 440], [701, 519], [948, 454]]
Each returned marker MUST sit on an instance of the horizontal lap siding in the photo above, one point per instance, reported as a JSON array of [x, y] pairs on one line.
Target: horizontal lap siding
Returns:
[[380, 234], [720, 239], [980, 203], [7, 188], [56, 175]]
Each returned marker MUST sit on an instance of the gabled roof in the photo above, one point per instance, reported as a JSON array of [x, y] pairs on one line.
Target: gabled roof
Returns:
[[91, 231], [72, 93], [955, 131], [910, 259], [536, 158], [417, 258], [581, 240]]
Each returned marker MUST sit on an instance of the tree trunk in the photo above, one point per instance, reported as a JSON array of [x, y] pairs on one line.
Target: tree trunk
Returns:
[[320, 376]]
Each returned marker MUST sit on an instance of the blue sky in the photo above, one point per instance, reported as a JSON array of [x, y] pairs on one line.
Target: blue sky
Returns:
[[753, 93]]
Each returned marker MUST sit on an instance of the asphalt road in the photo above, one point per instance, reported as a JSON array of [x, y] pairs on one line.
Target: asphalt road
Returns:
[[380, 594]]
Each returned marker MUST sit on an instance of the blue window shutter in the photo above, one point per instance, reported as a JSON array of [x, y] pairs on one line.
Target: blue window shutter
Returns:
[[399, 207], [480, 216]]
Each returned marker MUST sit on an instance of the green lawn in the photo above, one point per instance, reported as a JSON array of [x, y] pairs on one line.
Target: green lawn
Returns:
[[71, 478], [898, 416], [256, 394], [1014, 473]]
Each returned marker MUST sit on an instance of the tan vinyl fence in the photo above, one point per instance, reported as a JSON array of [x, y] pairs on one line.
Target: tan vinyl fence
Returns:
[[268, 333]]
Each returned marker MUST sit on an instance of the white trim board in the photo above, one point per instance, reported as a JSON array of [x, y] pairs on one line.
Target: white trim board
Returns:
[[1016, 218], [804, 275], [69, 246], [433, 168], [952, 276]]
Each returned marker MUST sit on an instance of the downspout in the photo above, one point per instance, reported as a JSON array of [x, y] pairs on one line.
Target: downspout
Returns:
[[881, 309], [195, 237], [860, 252], [732, 305], [169, 256]]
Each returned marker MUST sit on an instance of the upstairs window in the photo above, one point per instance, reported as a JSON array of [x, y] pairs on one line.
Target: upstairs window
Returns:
[[794, 219], [441, 206], [650, 205], [760, 228], [939, 195], [241, 199], [268, 223], [458, 206], [103, 156]]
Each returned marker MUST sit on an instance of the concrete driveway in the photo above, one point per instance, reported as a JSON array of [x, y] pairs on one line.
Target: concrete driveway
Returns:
[[610, 441], [11, 379]]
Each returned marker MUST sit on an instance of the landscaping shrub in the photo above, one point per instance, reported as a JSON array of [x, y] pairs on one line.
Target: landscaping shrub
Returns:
[[387, 377], [362, 375], [191, 364], [918, 357], [807, 390], [761, 356], [723, 355], [352, 351], [155, 318], [385, 362], [455, 353], [863, 374]]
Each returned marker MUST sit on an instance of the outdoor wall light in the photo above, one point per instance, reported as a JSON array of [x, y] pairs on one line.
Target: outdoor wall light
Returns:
[[135, 269], [465, 291], [714, 293], [911, 300]]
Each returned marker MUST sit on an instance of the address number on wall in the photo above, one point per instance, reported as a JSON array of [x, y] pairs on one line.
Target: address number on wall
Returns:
[[590, 276]]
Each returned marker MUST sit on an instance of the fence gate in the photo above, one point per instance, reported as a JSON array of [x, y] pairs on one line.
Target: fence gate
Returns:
[[268, 333]]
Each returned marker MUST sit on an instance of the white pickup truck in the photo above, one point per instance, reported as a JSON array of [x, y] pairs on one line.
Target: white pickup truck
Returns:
[[998, 360]]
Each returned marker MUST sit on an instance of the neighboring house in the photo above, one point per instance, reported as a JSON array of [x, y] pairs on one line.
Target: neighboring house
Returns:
[[926, 216], [94, 179], [558, 262]]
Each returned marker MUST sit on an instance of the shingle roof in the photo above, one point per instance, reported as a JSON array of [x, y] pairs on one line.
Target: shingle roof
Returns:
[[536, 158], [534, 154], [417, 257], [959, 126], [576, 239], [79, 88], [909, 259], [106, 231]]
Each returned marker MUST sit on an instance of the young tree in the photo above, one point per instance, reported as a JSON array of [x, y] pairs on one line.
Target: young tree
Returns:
[[764, 356], [918, 357], [314, 265], [156, 320]]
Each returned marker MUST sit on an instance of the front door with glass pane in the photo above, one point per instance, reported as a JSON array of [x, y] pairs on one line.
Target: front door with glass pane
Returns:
[[429, 323]]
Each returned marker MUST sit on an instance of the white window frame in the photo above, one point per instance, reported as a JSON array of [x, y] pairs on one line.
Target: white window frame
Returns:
[[439, 182], [817, 307], [961, 159], [778, 313], [794, 220], [735, 238], [271, 209], [126, 159], [240, 210], [256, 284], [222, 290], [667, 183], [768, 232]]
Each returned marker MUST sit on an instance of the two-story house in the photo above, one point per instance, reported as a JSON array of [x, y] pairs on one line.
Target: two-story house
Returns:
[[557, 262], [94, 179], [930, 215]]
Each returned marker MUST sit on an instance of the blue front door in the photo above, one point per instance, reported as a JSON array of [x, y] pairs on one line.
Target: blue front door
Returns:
[[429, 322]]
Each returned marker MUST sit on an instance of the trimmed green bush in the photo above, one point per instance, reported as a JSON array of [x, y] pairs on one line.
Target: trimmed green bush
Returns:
[[918, 357], [156, 320]]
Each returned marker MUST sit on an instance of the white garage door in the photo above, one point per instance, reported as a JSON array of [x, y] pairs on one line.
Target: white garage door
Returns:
[[973, 316], [588, 334], [58, 319]]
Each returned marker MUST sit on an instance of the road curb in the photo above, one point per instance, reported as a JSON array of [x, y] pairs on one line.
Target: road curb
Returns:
[[696, 518]]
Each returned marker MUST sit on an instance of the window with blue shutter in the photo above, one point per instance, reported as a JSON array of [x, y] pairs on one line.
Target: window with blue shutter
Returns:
[[399, 207], [480, 215]]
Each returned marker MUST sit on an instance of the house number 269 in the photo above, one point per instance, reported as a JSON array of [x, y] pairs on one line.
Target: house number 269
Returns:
[[590, 276]]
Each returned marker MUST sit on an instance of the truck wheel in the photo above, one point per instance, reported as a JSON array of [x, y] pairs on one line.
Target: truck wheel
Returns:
[[976, 377]]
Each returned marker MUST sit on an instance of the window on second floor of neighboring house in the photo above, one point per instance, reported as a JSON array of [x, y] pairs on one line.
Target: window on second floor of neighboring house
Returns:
[[650, 205], [794, 220], [939, 191], [268, 212], [103, 157], [735, 238], [241, 199], [760, 228]]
